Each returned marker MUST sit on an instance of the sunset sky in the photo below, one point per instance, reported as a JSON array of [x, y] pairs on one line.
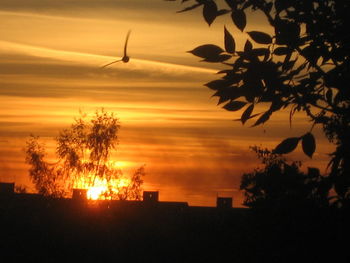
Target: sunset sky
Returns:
[[50, 68]]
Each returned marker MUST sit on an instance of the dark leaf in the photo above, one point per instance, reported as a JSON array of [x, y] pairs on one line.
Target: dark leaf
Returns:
[[280, 51], [288, 65], [216, 94], [251, 117], [338, 97], [260, 37], [239, 19], [321, 119], [224, 71], [341, 185], [309, 144], [246, 114], [263, 118], [286, 146], [219, 58], [248, 46], [287, 32], [189, 8], [232, 4], [234, 105], [238, 64], [329, 96], [325, 58], [210, 11], [299, 69], [230, 44], [267, 56], [310, 53], [276, 104], [260, 52], [223, 99], [233, 77], [282, 4], [228, 93], [222, 12], [287, 59], [313, 172], [217, 84], [269, 7], [207, 51]]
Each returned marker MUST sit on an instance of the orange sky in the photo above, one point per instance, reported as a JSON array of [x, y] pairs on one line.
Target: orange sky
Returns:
[[51, 53]]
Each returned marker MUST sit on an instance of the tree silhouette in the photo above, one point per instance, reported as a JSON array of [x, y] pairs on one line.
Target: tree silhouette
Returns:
[[303, 66], [281, 184], [44, 176], [84, 160], [133, 189]]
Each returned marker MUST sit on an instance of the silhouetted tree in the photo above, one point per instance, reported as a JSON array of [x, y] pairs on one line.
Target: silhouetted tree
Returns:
[[44, 175], [133, 189], [281, 184], [302, 66], [83, 152], [85, 148]]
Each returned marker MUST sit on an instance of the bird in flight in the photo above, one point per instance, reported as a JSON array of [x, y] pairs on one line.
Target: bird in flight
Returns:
[[125, 57]]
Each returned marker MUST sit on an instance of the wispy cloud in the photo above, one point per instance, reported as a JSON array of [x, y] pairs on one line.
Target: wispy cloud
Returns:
[[94, 60]]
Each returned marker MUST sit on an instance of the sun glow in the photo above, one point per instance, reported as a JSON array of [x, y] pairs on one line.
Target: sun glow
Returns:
[[102, 189], [96, 192]]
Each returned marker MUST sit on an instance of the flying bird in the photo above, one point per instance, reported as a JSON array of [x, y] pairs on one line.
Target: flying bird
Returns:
[[125, 57]]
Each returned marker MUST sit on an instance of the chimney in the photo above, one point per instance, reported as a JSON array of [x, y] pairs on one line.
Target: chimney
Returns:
[[151, 196], [224, 202], [79, 194]]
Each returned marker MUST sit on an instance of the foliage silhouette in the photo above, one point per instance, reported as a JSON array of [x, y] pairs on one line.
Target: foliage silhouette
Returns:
[[303, 66], [281, 184], [44, 176], [84, 160]]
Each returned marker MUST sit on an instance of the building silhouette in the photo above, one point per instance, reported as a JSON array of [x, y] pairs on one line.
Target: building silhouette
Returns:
[[79, 197]]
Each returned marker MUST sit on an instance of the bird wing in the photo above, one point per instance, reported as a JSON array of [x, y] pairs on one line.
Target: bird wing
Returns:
[[110, 63], [126, 42]]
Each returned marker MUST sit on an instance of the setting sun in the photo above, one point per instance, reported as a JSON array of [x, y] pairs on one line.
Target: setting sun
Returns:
[[103, 189], [94, 193]]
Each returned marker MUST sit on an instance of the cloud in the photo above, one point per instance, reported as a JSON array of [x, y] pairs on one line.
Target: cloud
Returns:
[[91, 60], [127, 10], [38, 5], [31, 71]]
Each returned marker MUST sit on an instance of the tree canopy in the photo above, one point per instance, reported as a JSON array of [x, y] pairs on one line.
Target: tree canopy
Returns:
[[84, 161], [281, 184], [302, 67]]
